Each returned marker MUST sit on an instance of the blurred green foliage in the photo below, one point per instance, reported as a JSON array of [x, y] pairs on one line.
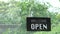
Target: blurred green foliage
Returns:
[[16, 12]]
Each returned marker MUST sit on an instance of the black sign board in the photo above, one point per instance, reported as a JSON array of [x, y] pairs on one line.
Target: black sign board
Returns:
[[38, 24]]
